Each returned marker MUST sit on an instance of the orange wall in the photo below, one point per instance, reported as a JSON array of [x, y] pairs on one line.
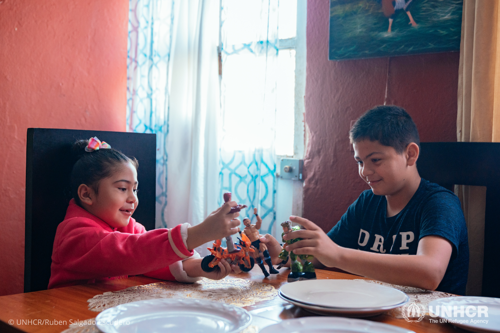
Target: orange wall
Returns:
[[62, 65]]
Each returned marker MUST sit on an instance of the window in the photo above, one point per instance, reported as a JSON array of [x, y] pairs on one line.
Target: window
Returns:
[[243, 70], [262, 89], [285, 115]]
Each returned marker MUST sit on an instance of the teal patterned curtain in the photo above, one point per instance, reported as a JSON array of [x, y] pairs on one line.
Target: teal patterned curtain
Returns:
[[149, 43], [249, 37], [249, 50]]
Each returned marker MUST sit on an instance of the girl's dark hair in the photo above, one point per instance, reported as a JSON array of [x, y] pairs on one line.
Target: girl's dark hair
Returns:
[[388, 124], [91, 167]]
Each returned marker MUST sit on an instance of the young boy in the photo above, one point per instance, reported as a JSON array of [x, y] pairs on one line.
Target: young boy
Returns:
[[410, 231]]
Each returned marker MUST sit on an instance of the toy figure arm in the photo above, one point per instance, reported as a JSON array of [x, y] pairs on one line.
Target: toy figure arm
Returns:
[[259, 220]]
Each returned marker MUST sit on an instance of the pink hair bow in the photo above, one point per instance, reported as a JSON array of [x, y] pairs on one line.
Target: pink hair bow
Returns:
[[96, 144]]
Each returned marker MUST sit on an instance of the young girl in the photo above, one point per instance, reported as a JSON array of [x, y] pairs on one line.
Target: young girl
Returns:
[[99, 239]]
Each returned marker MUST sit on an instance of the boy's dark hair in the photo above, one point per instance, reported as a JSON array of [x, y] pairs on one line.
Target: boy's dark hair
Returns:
[[91, 167], [390, 125]]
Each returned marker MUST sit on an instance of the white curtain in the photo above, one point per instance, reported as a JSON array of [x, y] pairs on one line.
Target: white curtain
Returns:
[[192, 142], [249, 34], [173, 91]]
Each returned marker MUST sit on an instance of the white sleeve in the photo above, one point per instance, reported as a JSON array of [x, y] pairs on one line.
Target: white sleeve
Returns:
[[177, 268], [180, 274], [184, 232]]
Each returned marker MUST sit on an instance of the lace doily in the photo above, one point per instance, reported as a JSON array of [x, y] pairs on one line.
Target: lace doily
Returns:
[[418, 296], [232, 291]]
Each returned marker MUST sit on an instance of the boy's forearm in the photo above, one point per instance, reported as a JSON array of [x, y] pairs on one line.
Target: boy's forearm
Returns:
[[410, 270]]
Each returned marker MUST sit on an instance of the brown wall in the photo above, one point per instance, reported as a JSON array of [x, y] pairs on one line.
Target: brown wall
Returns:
[[338, 92], [62, 65]]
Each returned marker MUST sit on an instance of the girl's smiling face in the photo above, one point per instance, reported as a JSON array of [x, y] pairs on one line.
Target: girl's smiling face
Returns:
[[116, 199]]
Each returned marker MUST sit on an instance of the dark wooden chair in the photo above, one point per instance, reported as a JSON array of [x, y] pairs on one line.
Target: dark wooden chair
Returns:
[[476, 164], [47, 192]]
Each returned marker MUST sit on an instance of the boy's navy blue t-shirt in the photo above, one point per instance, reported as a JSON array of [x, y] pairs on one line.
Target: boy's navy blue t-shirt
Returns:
[[432, 211]]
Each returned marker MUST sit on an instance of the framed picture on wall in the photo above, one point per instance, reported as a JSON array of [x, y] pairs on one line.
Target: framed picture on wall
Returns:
[[384, 28]]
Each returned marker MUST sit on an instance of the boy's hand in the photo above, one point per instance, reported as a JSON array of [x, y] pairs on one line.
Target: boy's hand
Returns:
[[217, 225], [314, 242], [273, 246]]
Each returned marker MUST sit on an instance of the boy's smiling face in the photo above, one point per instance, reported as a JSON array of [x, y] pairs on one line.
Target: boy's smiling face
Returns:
[[381, 167]]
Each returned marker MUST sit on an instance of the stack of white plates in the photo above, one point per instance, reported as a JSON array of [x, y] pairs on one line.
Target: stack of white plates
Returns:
[[349, 298]]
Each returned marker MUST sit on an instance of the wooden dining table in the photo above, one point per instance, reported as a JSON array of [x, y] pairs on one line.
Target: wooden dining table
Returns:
[[54, 310]]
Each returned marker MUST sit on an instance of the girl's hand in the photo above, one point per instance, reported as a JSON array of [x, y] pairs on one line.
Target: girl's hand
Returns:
[[217, 225], [314, 242], [192, 267], [223, 270]]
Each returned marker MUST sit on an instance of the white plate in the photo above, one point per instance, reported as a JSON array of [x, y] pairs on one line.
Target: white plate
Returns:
[[345, 312], [331, 324], [470, 305], [344, 294], [173, 315]]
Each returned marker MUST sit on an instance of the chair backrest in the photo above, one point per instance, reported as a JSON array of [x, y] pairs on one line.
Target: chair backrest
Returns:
[[48, 167], [476, 164]]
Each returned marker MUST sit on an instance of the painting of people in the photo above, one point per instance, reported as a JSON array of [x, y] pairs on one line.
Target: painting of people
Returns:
[[384, 28]]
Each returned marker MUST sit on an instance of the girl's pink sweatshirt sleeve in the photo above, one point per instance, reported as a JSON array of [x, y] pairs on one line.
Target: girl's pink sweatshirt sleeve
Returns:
[[89, 251]]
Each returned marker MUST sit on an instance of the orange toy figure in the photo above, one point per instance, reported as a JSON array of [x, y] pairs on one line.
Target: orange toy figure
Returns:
[[238, 254], [241, 255]]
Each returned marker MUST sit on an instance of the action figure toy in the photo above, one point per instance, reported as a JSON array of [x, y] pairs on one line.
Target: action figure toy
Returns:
[[300, 265], [252, 231], [237, 208], [241, 255]]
